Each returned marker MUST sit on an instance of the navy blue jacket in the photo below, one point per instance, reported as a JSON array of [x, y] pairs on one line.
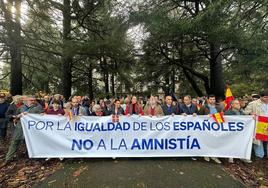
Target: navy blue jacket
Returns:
[[3, 108], [173, 110], [188, 110]]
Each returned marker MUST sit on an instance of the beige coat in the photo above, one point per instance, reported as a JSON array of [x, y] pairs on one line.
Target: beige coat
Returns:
[[255, 107], [158, 110]]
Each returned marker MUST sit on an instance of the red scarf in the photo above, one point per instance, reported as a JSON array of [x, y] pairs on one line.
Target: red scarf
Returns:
[[18, 105], [99, 113], [152, 111]]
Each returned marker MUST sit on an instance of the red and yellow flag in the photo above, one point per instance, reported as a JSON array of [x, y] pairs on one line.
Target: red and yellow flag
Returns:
[[70, 115], [228, 98], [218, 117], [262, 128]]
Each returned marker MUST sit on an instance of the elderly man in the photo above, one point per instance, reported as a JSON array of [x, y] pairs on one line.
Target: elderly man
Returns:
[[30, 107], [16, 103], [235, 110], [168, 108], [259, 107], [152, 108], [3, 120]]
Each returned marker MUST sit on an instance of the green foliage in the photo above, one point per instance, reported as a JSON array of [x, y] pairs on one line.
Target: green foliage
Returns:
[[177, 49], [181, 34]]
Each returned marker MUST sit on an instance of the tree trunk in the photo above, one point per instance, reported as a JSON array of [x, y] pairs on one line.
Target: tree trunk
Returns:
[[173, 81], [66, 58], [90, 82], [46, 86], [216, 73], [113, 84], [193, 73], [113, 77], [106, 76], [193, 83], [13, 27], [167, 85]]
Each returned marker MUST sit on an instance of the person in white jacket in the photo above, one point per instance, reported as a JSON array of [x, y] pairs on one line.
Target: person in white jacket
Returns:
[[259, 108]]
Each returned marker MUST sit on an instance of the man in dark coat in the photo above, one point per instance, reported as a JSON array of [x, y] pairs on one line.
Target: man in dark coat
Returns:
[[168, 108], [187, 107]]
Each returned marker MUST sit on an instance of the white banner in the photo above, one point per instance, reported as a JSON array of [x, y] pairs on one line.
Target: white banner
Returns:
[[51, 136]]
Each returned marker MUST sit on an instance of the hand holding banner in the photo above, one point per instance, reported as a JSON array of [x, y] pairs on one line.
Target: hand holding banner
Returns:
[[133, 136]]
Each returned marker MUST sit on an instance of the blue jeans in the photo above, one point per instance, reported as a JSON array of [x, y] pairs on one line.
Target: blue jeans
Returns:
[[259, 149]]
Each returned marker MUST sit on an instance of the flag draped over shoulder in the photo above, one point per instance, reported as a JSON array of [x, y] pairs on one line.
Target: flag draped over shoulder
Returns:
[[228, 98], [262, 128], [218, 117]]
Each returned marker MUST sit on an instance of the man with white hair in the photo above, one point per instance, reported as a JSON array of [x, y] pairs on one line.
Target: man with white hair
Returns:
[[16, 103], [30, 107], [235, 110], [97, 111]]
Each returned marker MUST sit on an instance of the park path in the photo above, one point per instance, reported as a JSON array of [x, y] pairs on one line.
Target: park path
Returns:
[[140, 173]]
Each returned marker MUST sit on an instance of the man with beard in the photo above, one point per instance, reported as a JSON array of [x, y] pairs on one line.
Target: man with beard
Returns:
[[208, 109]]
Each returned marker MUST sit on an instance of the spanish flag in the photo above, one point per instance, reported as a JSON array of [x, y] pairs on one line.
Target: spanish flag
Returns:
[[262, 128], [218, 117], [228, 98]]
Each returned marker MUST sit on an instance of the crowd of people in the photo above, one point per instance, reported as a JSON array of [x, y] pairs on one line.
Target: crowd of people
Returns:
[[12, 110]]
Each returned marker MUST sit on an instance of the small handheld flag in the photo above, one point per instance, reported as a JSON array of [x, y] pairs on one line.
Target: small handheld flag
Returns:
[[70, 116], [218, 117], [262, 128]]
